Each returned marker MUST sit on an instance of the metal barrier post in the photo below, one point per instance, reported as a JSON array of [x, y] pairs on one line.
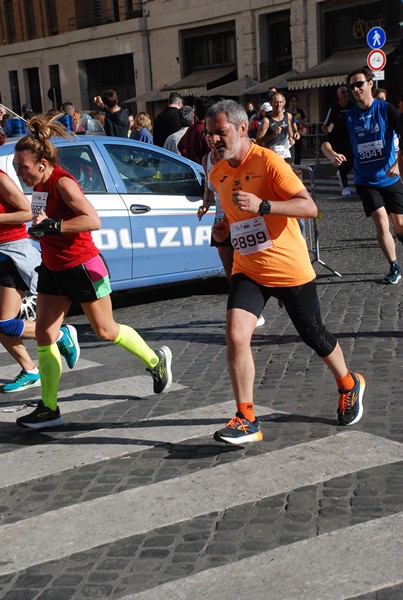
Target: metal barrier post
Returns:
[[312, 233]]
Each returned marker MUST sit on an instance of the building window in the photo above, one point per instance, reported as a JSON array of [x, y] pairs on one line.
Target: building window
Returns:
[[275, 47], [209, 47], [10, 23], [98, 11], [54, 92], [30, 19], [115, 11], [34, 88], [51, 15], [116, 72], [15, 91]]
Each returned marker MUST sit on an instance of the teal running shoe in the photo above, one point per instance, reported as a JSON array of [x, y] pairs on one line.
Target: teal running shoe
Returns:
[[22, 381], [68, 345]]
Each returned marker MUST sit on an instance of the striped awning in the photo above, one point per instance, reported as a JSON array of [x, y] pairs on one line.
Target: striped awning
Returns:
[[334, 69]]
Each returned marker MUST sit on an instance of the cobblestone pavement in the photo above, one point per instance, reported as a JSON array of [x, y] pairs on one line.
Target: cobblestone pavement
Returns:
[[132, 498]]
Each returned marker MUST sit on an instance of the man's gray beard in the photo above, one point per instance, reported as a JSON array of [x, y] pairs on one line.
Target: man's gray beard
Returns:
[[231, 152]]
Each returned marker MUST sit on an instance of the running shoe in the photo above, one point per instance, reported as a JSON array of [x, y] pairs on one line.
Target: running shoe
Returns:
[[22, 381], [239, 431], [394, 275], [346, 191], [260, 321], [41, 418], [68, 345], [350, 407], [161, 373]]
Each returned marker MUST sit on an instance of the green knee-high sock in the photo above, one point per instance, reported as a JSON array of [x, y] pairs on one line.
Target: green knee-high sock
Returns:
[[50, 368], [131, 341]]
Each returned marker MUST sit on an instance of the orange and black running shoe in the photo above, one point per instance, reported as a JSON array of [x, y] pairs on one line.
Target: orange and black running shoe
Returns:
[[350, 407], [239, 431]]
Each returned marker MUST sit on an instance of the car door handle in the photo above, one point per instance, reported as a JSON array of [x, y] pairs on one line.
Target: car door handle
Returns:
[[139, 209]]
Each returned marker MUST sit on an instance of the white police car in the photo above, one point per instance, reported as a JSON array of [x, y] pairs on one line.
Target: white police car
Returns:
[[147, 199]]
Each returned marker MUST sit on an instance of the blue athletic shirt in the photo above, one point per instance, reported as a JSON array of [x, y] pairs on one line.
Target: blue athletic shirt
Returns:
[[371, 133]]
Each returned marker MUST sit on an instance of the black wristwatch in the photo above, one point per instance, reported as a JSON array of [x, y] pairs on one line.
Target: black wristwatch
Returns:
[[264, 208]]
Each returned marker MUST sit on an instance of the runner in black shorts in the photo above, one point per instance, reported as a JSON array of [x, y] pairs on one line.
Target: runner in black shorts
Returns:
[[373, 198], [370, 127], [72, 270]]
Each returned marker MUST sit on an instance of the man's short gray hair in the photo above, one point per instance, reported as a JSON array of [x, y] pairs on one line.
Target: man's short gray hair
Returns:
[[234, 112], [186, 116]]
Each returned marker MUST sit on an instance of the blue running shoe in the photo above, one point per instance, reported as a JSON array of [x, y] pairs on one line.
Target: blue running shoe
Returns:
[[68, 345], [239, 431], [350, 407], [394, 275], [22, 381], [41, 418]]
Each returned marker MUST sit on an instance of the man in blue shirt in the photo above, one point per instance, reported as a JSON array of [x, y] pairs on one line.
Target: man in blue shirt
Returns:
[[370, 127]]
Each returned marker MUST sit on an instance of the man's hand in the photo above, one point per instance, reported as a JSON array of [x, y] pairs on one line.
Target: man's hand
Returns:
[[45, 227], [246, 201], [220, 230], [393, 170], [337, 159], [202, 210]]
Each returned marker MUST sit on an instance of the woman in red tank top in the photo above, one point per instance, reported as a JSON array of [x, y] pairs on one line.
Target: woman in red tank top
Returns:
[[72, 270]]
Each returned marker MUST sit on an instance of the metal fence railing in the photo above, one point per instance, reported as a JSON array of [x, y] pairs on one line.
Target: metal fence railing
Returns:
[[311, 144], [311, 231]]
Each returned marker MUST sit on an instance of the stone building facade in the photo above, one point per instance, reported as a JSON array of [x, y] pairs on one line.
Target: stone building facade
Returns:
[[62, 50]]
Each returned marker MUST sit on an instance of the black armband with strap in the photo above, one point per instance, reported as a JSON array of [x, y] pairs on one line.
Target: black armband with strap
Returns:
[[46, 227]]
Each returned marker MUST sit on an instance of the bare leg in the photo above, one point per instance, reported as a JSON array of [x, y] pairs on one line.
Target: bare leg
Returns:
[[240, 327], [336, 363], [99, 314], [10, 305], [397, 221], [383, 234]]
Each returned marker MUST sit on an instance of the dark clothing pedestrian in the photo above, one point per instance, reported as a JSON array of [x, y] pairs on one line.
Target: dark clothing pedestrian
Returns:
[[166, 123], [193, 144], [117, 123]]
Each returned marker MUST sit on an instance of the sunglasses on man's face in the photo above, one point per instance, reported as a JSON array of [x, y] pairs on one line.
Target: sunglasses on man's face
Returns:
[[357, 84]]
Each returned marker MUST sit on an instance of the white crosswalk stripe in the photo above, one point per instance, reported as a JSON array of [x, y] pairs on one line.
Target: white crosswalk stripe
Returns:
[[200, 493], [78, 528], [9, 372], [312, 579], [77, 399]]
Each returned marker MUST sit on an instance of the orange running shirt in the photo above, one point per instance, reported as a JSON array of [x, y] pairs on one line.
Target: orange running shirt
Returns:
[[286, 263]]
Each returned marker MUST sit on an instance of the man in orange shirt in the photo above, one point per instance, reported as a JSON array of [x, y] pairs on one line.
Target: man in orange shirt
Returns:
[[262, 199]]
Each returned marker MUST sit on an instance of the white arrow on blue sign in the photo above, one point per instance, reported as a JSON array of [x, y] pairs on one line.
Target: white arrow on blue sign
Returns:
[[376, 38]]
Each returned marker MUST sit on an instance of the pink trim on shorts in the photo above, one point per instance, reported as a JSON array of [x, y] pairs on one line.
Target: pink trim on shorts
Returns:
[[96, 268]]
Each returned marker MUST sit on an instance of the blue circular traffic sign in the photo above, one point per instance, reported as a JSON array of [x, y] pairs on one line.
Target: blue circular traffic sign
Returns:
[[376, 38]]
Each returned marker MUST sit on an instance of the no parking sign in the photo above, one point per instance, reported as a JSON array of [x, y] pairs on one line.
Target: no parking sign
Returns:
[[376, 60]]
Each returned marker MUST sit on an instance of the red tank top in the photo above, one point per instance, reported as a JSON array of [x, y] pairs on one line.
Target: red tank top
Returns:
[[10, 233], [61, 252]]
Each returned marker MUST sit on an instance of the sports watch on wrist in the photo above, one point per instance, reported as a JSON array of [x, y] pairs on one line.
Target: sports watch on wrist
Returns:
[[264, 208]]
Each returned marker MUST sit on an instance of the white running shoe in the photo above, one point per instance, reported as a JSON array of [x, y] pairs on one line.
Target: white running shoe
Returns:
[[346, 191], [260, 321]]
